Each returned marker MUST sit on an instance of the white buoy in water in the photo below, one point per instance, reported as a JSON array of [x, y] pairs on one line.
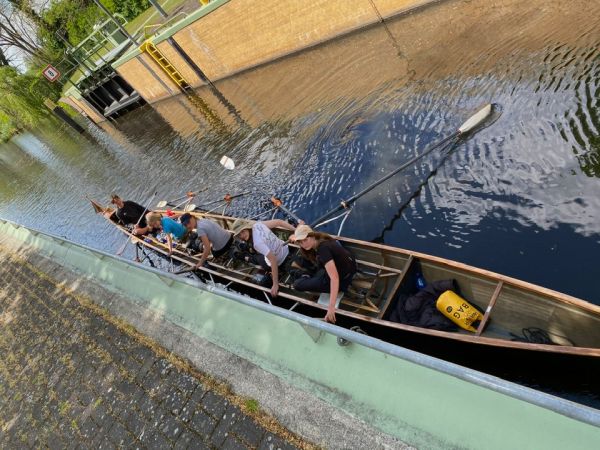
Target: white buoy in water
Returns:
[[227, 162]]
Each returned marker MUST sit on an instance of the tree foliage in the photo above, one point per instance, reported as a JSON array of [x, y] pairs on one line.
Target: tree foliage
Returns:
[[76, 18], [22, 102], [35, 34]]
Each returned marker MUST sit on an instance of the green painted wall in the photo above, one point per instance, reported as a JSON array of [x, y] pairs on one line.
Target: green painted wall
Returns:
[[419, 405]]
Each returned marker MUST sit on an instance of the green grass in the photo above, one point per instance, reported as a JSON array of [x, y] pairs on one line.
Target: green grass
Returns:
[[64, 408], [252, 405]]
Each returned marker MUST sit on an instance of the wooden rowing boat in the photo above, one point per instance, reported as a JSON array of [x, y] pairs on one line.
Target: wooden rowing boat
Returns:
[[510, 305]]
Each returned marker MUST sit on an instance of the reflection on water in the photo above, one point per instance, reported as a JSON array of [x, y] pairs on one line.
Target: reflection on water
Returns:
[[521, 197]]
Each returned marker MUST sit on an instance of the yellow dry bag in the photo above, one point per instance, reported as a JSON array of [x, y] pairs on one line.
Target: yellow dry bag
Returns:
[[458, 310]]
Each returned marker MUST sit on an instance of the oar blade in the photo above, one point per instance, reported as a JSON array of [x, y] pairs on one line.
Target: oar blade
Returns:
[[227, 162], [476, 119], [161, 204], [122, 248], [190, 207]]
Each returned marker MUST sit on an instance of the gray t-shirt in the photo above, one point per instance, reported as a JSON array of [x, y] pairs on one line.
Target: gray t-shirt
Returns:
[[217, 236]]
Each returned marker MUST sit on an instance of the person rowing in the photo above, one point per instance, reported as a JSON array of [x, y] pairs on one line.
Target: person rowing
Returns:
[[207, 235], [168, 225], [128, 213], [274, 251], [337, 266]]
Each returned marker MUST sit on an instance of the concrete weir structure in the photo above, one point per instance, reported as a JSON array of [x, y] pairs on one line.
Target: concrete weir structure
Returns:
[[366, 394], [226, 37]]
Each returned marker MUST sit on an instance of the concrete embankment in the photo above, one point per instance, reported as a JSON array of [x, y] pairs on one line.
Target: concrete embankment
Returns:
[[226, 37], [367, 394], [71, 374]]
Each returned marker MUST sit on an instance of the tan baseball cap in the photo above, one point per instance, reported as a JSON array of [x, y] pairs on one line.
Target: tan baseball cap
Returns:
[[302, 232], [241, 224]]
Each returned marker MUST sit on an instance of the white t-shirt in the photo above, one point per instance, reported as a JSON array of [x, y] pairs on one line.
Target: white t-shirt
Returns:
[[266, 242]]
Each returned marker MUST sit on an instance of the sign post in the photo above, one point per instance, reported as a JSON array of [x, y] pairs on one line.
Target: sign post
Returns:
[[51, 73]]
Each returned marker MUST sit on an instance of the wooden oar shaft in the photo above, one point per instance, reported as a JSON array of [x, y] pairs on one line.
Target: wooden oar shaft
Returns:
[[348, 202], [187, 194], [231, 197], [290, 213], [469, 125]]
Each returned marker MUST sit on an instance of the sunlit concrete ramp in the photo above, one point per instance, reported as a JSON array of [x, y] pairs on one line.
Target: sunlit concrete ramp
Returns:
[[364, 394]]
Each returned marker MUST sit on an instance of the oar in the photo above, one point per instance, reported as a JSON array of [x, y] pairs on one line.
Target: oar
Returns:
[[122, 249], [279, 204], [229, 164], [227, 198], [470, 124], [188, 195], [163, 203]]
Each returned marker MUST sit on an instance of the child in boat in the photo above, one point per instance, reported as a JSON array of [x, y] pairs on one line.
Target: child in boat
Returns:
[[274, 251], [337, 265], [169, 226], [207, 235]]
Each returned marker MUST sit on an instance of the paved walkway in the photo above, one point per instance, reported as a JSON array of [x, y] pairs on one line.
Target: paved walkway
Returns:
[[71, 376]]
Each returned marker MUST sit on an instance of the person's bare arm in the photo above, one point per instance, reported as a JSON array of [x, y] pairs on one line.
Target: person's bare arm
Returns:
[[138, 231], [278, 223], [205, 251], [170, 243]]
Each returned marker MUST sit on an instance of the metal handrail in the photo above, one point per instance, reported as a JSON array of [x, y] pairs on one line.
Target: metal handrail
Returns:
[[160, 26]]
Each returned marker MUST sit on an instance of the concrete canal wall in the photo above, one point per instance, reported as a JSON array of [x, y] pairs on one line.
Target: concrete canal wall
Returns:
[[229, 36], [418, 399]]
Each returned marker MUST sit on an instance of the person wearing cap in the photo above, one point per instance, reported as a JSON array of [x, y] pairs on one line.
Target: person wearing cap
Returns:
[[128, 213], [275, 252], [337, 265], [208, 234], [168, 226]]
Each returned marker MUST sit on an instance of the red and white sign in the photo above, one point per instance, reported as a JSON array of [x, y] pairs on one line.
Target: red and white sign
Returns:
[[51, 73]]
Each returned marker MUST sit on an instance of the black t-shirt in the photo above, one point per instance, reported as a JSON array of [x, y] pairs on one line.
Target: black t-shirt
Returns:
[[342, 258], [130, 213]]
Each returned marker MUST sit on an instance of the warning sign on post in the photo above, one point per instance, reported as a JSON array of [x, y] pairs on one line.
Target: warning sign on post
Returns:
[[51, 73]]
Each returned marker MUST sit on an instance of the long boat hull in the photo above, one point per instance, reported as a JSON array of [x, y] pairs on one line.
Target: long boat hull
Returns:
[[385, 273]]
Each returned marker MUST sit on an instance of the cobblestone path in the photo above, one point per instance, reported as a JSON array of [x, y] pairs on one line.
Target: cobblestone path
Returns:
[[72, 377]]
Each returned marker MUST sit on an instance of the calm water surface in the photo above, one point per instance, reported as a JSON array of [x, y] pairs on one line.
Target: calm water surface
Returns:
[[521, 197]]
